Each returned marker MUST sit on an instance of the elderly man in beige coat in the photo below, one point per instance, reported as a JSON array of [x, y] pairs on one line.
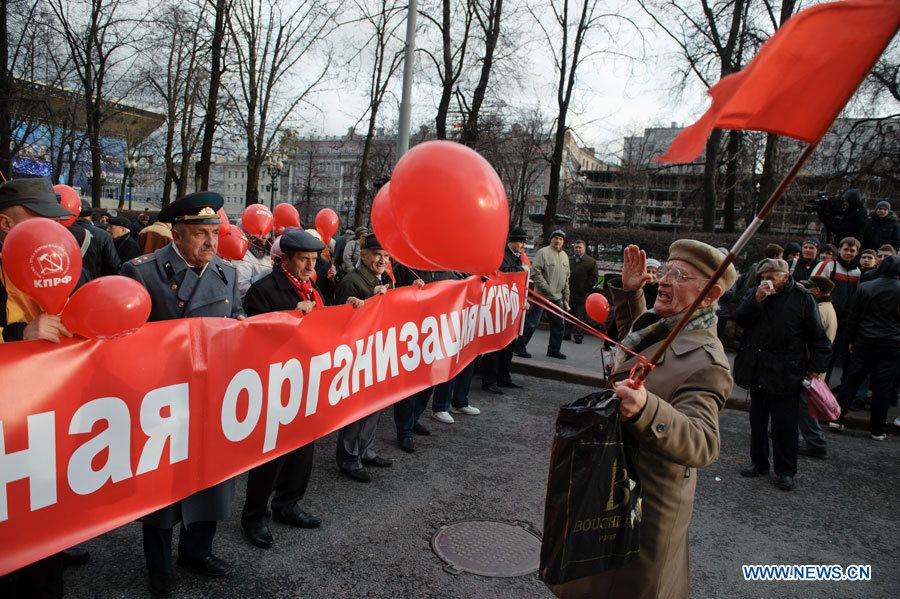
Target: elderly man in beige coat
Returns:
[[550, 275], [674, 416]]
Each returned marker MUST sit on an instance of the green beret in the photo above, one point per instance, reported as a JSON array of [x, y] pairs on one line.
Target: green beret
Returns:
[[198, 208], [704, 258]]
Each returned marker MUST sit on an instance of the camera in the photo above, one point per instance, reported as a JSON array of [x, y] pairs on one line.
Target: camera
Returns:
[[822, 203]]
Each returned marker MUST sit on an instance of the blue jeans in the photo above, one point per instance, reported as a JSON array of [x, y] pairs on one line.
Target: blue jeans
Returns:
[[454, 392]]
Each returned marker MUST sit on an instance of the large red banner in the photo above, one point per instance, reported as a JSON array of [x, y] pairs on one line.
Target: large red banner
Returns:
[[94, 434]]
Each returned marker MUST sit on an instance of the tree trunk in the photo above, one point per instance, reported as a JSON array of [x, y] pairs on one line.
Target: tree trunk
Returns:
[[440, 121], [709, 181], [215, 77], [735, 140], [362, 188], [5, 96], [469, 135], [96, 163], [253, 168], [768, 179], [555, 168]]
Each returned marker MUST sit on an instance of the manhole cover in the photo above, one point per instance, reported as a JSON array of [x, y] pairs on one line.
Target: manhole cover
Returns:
[[487, 548]]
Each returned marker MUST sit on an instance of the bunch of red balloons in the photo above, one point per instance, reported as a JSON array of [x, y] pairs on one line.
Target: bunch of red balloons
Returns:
[[43, 260], [445, 208]]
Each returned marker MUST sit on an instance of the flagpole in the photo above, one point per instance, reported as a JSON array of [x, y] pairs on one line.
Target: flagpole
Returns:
[[735, 250]]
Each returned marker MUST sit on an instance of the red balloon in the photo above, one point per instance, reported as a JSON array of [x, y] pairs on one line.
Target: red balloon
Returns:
[[286, 215], [223, 221], [68, 199], [451, 206], [257, 220], [107, 307], [327, 224], [597, 307], [43, 260], [233, 244], [384, 224]]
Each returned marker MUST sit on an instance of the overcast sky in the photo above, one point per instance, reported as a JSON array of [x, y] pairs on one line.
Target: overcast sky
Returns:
[[614, 96]]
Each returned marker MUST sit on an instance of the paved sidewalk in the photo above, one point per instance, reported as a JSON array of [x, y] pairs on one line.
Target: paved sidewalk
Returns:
[[584, 365]]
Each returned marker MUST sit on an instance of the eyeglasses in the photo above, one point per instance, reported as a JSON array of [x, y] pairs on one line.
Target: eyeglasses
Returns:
[[675, 273]]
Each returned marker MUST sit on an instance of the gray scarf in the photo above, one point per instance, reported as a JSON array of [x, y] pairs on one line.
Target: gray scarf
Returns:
[[650, 328]]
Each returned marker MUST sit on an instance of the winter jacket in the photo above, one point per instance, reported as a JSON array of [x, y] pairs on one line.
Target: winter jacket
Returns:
[[550, 274], [881, 231], [783, 340], [875, 317], [828, 316], [802, 270], [511, 262], [846, 280], [849, 222], [582, 277]]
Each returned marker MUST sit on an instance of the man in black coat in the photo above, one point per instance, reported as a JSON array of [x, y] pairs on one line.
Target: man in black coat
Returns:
[[126, 246], [783, 343], [848, 220], [495, 365], [582, 278], [288, 287], [881, 228], [99, 257], [803, 267], [873, 329]]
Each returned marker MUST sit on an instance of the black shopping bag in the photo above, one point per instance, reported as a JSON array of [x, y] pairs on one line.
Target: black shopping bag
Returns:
[[593, 509]]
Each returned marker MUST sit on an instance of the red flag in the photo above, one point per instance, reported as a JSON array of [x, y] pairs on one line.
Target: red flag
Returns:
[[801, 78]]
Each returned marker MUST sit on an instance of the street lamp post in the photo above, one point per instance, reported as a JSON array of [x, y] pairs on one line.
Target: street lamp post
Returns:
[[273, 166], [130, 167]]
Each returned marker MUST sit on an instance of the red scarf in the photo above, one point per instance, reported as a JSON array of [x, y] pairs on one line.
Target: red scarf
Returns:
[[305, 289]]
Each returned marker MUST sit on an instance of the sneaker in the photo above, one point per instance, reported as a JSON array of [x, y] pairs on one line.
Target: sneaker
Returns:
[[835, 427], [879, 437], [444, 417], [468, 410]]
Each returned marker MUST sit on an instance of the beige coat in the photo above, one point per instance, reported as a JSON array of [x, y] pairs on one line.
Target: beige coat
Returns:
[[550, 273], [829, 319], [678, 432]]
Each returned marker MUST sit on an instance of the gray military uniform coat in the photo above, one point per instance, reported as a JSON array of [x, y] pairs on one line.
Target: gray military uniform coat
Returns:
[[178, 292]]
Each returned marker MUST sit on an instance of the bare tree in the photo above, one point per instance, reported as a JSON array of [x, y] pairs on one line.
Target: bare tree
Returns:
[[453, 58], [269, 41], [218, 45], [567, 38], [488, 14], [712, 41], [176, 77], [100, 35], [383, 19]]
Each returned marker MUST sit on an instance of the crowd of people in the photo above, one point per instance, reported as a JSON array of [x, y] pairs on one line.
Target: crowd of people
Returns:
[[801, 311]]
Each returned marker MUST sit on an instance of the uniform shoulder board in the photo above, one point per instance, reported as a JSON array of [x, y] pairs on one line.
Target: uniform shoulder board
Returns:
[[141, 259], [227, 264]]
